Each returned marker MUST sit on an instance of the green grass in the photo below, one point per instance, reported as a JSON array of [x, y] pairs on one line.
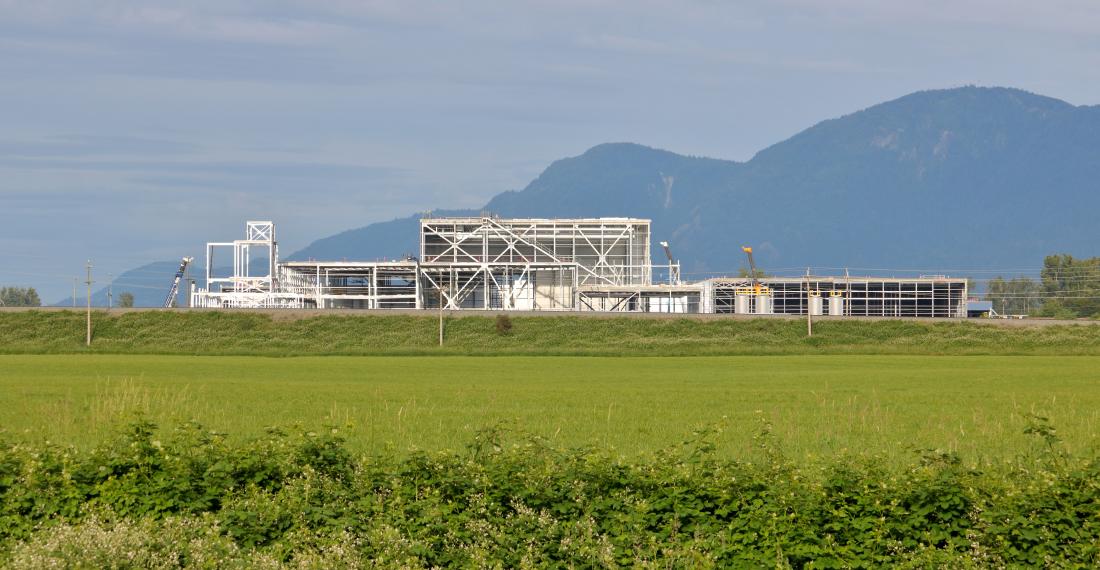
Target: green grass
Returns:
[[241, 333], [820, 406]]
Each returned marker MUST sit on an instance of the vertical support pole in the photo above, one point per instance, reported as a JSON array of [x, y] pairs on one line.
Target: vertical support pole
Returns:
[[88, 338], [809, 312], [440, 289], [74, 292]]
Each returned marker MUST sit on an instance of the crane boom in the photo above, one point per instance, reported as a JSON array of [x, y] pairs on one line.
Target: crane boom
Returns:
[[171, 299], [752, 269]]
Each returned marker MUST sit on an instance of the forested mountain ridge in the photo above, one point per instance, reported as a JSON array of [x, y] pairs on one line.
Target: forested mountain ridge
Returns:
[[937, 180]]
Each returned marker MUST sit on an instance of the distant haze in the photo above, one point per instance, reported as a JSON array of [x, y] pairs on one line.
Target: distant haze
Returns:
[[135, 131]]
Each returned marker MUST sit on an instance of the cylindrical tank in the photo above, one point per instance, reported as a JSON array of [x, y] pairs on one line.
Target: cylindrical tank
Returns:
[[836, 304], [816, 303], [741, 303], [763, 304]]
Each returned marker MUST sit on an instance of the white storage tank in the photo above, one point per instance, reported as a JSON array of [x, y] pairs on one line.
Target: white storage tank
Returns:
[[816, 303], [763, 303], [836, 304], [741, 302]]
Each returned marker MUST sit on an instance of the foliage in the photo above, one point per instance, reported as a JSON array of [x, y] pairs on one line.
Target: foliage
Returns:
[[503, 324], [1017, 296], [19, 297], [1072, 286], [126, 300], [186, 498], [746, 273]]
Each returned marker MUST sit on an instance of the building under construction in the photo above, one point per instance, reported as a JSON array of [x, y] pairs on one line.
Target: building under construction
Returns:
[[587, 264]]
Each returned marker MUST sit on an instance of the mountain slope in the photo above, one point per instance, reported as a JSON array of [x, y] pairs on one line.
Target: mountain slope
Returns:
[[936, 180]]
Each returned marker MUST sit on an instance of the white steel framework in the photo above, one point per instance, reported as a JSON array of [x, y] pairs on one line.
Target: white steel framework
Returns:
[[589, 264], [932, 297]]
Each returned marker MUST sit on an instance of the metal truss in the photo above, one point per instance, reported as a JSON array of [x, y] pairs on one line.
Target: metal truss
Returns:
[[605, 251], [247, 286], [530, 286], [258, 236]]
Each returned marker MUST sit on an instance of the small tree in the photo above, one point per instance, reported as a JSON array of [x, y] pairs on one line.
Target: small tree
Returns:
[[126, 300], [504, 324]]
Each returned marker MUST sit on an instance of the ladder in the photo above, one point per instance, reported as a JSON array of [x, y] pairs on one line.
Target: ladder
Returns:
[[171, 299]]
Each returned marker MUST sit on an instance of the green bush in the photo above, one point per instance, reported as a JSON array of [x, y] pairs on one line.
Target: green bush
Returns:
[[503, 324], [185, 498]]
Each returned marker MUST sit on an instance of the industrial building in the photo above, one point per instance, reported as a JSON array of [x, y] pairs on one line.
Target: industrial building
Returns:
[[585, 264]]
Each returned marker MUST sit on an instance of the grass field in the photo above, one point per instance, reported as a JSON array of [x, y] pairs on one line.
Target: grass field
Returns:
[[819, 406], [245, 333]]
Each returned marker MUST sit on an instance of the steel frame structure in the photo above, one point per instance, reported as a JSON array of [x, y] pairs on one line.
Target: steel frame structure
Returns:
[[649, 299], [353, 285], [930, 297], [244, 288], [529, 264], [586, 264]]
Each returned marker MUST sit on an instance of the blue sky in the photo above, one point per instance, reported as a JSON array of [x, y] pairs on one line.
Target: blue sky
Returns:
[[134, 131]]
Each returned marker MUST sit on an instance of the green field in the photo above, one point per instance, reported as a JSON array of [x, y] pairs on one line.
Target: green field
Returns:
[[819, 406], [347, 441]]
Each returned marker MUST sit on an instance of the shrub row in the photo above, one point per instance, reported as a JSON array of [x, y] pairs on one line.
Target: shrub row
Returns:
[[187, 498]]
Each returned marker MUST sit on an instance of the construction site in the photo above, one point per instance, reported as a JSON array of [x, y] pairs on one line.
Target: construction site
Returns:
[[578, 264]]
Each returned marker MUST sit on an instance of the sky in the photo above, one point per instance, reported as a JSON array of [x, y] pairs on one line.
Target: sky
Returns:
[[136, 131]]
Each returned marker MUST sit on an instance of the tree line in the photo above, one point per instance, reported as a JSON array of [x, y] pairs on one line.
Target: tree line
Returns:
[[1068, 288], [28, 297], [19, 297]]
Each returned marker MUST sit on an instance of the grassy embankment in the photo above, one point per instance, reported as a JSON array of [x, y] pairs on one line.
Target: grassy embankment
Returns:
[[225, 333]]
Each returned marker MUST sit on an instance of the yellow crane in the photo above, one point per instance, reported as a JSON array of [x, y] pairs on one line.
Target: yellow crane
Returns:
[[756, 288]]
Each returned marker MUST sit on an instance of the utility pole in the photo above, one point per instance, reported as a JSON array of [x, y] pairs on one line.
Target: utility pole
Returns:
[[110, 281], [187, 279], [74, 292], [88, 339], [809, 306], [440, 289]]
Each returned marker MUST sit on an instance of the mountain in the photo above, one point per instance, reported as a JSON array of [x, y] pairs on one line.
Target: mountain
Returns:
[[934, 181]]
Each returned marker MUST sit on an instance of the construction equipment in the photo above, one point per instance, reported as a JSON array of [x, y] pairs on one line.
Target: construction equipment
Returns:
[[673, 267], [171, 299], [756, 288]]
